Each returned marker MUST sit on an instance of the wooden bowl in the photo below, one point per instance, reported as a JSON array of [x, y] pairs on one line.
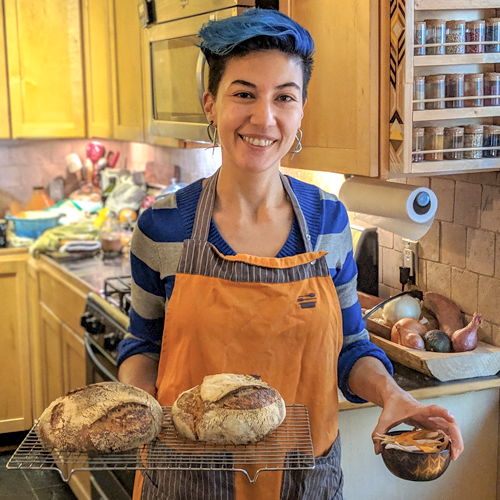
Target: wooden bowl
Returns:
[[415, 466]]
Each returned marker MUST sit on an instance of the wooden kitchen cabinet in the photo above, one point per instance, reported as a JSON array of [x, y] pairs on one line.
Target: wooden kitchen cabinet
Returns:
[[4, 90], [44, 52], [15, 383], [344, 125], [126, 70]]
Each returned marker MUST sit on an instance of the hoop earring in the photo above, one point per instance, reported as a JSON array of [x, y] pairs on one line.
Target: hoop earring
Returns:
[[212, 134], [298, 146]]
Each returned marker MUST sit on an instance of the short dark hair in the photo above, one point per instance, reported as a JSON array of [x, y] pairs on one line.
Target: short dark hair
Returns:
[[254, 31]]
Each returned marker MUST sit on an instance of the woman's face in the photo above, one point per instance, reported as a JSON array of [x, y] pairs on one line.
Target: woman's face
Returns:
[[258, 109]]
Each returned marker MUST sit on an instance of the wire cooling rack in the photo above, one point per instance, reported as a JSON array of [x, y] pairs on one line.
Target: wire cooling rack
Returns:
[[288, 447]]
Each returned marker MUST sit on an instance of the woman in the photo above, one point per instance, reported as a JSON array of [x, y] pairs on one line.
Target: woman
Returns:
[[231, 259]]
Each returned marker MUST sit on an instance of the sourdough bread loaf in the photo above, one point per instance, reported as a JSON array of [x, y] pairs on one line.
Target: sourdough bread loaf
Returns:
[[102, 417], [229, 409]]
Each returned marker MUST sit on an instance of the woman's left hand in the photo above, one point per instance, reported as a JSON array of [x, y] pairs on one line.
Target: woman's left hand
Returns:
[[401, 407]]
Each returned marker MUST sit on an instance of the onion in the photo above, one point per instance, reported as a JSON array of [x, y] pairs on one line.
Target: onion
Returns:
[[402, 307]]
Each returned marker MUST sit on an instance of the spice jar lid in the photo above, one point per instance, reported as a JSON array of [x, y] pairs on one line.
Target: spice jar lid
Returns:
[[419, 79], [435, 78], [474, 76], [455, 24], [473, 129], [492, 76], [474, 24], [491, 129], [419, 131], [455, 76], [434, 130], [435, 22], [454, 131], [419, 24], [492, 21]]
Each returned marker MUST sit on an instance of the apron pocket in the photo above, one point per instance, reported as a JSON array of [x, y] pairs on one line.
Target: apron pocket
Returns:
[[324, 482]]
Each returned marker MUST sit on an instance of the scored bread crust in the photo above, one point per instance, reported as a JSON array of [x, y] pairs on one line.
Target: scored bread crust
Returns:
[[102, 417], [229, 409]]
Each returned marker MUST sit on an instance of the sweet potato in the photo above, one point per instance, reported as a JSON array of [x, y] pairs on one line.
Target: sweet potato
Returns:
[[448, 315]]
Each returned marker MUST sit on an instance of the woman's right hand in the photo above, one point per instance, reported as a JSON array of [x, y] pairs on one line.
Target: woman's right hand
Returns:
[[140, 371]]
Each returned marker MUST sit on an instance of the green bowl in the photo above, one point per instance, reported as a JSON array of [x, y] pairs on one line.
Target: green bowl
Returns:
[[415, 466]]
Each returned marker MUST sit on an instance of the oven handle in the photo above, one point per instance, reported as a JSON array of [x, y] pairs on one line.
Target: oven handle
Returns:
[[97, 363]]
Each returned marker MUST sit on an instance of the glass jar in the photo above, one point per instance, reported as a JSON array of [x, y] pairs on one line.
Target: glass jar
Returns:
[[417, 145], [475, 32], [110, 239], [453, 139], [492, 87], [455, 88], [473, 86], [433, 140], [455, 33], [491, 135], [435, 89], [418, 93], [473, 138], [436, 33], [492, 34], [419, 38]]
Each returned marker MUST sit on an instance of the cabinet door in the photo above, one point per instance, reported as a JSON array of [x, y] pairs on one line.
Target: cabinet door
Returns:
[[52, 361], [45, 68], [97, 68], [126, 71], [73, 354], [341, 119], [4, 93], [15, 384]]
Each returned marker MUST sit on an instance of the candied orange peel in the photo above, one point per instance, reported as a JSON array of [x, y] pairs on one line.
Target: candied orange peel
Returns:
[[419, 440]]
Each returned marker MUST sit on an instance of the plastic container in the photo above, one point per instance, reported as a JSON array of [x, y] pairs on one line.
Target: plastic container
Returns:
[[474, 86], [453, 139], [492, 87], [455, 33], [39, 200], [473, 138], [419, 38], [491, 137], [433, 140], [475, 32], [417, 145], [436, 33], [435, 88], [418, 92], [455, 88], [492, 34], [32, 227]]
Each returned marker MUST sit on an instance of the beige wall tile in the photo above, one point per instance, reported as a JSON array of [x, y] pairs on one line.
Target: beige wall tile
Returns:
[[485, 332], [445, 192], [385, 238], [419, 181], [488, 298], [464, 287], [384, 291], [490, 208], [495, 334], [422, 275], [453, 244], [398, 243], [490, 178], [497, 260], [439, 278], [391, 260], [467, 204], [429, 244], [481, 251]]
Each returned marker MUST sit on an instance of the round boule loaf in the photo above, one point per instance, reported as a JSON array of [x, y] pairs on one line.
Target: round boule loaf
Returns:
[[229, 409], [102, 417]]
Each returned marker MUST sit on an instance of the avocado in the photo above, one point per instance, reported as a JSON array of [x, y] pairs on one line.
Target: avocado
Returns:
[[437, 341]]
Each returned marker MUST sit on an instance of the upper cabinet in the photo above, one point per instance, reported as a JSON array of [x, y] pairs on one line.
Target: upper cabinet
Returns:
[[128, 122], [342, 117], [4, 90], [44, 49], [96, 30]]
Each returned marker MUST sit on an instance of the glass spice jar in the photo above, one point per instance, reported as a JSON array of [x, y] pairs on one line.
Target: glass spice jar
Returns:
[[455, 88], [491, 136], [417, 145], [492, 34], [473, 86], [436, 33], [492, 87], [419, 38], [453, 139], [435, 89], [475, 32], [418, 93], [455, 33], [473, 138], [433, 140]]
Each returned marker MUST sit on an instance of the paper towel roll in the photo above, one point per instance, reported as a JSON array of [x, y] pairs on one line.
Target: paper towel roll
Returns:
[[399, 208]]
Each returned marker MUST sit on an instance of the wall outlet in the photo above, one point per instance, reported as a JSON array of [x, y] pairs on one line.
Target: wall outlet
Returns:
[[410, 258]]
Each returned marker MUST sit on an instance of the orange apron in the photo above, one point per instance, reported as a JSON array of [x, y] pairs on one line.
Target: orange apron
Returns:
[[275, 317]]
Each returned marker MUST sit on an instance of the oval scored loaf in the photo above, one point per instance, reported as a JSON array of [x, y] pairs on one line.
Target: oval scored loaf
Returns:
[[229, 409], [102, 417]]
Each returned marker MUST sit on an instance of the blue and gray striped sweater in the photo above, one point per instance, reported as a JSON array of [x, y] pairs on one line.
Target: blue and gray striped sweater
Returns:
[[157, 244]]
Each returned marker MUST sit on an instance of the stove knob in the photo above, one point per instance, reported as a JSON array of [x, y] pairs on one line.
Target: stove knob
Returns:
[[84, 319], [95, 326], [111, 343]]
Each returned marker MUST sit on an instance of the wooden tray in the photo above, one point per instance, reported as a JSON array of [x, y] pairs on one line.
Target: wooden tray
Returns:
[[483, 361]]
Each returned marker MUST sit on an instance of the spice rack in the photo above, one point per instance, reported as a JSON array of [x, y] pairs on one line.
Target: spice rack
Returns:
[[405, 64]]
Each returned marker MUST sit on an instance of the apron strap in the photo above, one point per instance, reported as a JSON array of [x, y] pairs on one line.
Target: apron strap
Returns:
[[206, 203]]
